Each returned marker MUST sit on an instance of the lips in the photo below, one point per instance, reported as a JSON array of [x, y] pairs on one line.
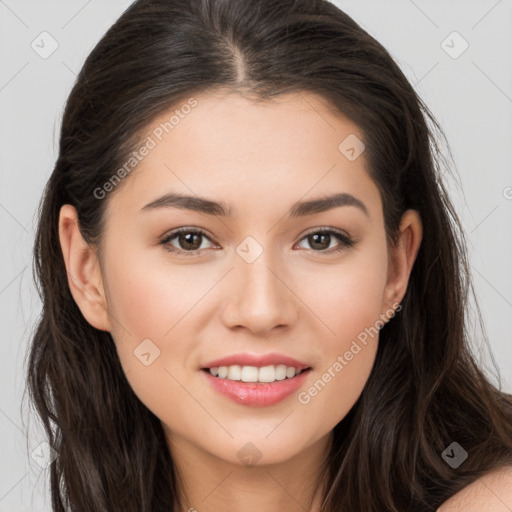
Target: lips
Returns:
[[258, 360], [256, 394]]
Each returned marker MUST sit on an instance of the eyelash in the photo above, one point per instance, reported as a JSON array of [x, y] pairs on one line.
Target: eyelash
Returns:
[[346, 241]]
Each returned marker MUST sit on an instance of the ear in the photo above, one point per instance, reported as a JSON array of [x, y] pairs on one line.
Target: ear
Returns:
[[83, 270], [402, 257]]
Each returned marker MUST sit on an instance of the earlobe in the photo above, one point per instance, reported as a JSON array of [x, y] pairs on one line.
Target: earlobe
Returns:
[[83, 270], [403, 255]]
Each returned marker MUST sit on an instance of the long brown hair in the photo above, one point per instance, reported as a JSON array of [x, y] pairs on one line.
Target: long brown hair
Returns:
[[425, 390]]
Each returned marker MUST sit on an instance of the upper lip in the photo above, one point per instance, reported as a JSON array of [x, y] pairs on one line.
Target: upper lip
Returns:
[[259, 360]]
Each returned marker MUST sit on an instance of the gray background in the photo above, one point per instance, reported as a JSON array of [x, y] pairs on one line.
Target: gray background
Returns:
[[470, 95]]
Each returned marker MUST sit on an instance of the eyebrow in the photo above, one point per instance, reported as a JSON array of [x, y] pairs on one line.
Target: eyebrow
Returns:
[[210, 207]]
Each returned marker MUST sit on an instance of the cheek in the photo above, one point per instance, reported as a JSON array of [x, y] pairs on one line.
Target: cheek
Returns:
[[349, 304], [153, 299], [149, 298], [347, 359], [348, 299], [152, 306]]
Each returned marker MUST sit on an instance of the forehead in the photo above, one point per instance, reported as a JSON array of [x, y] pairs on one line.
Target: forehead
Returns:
[[225, 145]]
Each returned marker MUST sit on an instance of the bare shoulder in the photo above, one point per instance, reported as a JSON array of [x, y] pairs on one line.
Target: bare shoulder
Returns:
[[490, 493]]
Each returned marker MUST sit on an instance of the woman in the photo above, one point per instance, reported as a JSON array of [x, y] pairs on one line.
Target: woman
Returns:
[[253, 281]]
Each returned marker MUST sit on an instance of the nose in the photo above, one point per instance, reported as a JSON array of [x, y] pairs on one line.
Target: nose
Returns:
[[260, 296]]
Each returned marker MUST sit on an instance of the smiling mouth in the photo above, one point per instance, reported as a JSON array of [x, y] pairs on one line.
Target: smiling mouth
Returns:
[[254, 374]]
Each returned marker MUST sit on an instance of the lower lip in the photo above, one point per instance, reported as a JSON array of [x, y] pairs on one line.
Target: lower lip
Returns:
[[257, 394]]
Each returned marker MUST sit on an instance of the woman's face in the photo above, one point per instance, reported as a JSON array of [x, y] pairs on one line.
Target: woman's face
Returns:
[[264, 278]]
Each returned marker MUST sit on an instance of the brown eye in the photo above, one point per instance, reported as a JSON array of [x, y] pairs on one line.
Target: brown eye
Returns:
[[320, 241], [188, 241]]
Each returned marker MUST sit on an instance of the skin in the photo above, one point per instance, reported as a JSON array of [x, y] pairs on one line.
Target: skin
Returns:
[[259, 158], [490, 493]]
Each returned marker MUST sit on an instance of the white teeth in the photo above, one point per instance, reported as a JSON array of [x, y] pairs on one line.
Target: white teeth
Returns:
[[269, 373], [290, 372], [234, 372], [249, 374]]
